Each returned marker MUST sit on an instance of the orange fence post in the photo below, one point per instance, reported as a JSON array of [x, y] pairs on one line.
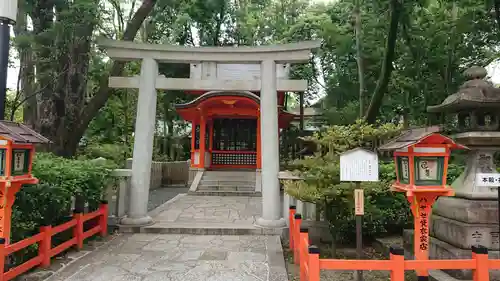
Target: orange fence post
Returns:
[[291, 222], [397, 257], [313, 264], [45, 245], [78, 230], [480, 254], [103, 218], [296, 234], [303, 246], [2, 258]]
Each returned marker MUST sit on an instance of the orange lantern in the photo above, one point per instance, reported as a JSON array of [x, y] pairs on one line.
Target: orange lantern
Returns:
[[16, 157], [421, 158]]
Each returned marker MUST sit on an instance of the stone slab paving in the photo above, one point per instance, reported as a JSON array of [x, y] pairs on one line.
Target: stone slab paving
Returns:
[[212, 215], [176, 257]]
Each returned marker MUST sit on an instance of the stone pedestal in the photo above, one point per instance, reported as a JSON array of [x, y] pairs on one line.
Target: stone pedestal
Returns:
[[471, 216]]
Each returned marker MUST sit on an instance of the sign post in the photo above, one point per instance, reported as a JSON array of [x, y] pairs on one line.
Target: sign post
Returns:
[[359, 165], [491, 180]]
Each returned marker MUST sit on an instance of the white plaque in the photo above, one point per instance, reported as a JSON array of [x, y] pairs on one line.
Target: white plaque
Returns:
[[358, 165], [18, 161], [405, 169], [488, 179], [428, 169], [229, 71]]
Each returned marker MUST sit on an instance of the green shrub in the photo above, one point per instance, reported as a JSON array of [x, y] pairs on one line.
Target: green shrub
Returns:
[[49, 202], [384, 211], [117, 153]]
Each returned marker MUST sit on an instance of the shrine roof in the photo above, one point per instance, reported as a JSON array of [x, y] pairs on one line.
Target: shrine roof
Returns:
[[20, 133], [426, 135], [213, 94]]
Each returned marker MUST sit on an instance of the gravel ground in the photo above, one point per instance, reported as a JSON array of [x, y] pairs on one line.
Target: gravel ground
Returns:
[[161, 195]]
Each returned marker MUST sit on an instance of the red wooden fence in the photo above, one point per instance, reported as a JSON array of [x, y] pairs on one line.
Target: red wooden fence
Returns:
[[44, 240], [307, 257]]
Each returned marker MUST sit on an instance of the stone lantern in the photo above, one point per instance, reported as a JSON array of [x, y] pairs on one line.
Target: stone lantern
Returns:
[[471, 217]]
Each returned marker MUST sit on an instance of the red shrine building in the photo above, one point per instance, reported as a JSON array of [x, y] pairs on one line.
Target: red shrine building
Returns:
[[227, 129]]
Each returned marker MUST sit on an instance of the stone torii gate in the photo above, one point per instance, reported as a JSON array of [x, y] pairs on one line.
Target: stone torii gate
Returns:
[[205, 79]]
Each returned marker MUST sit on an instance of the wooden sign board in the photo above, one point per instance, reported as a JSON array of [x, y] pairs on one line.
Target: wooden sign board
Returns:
[[359, 165], [359, 202]]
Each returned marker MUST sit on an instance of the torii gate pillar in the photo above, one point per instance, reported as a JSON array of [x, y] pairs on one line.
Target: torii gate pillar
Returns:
[[271, 207], [143, 146]]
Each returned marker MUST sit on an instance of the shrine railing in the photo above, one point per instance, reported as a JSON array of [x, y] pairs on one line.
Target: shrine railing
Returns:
[[44, 241], [234, 158], [307, 257]]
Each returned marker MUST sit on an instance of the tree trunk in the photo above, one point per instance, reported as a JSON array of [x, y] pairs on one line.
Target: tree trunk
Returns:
[[86, 114], [26, 72], [496, 4], [385, 74], [359, 59]]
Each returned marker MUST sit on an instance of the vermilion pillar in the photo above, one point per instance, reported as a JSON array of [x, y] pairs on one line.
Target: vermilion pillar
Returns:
[[203, 129], [193, 141]]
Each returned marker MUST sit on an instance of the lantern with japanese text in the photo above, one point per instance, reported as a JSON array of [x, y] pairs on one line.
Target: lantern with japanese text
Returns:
[[421, 158], [16, 156]]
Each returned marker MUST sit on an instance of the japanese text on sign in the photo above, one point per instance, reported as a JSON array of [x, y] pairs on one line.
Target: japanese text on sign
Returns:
[[428, 169], [424, 227], [358, 165], [488, 179], [405, 168], [359, 202], [18, 161]]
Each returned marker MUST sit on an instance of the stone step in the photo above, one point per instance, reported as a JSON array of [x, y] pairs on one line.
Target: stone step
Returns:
[[225, 193], [224, 182], [229, 179], [226, 187], [209, 229]]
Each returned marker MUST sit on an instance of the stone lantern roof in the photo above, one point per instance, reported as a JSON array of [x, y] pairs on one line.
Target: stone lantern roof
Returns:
[[476, 104], [473, 94]]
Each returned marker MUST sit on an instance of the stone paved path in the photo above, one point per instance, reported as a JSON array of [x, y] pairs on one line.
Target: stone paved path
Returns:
[[222, 215], [188, 257], [149, 257]]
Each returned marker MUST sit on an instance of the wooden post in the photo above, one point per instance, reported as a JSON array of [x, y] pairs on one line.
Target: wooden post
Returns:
[[480, 254], [45, 245], [313, 264], [78, 229], [359, 211], [303, 252], [103, 218], [193, 141], [421, 205], [203, 131], [2, 258], [296, 233], [398, 264], [291, 216]]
